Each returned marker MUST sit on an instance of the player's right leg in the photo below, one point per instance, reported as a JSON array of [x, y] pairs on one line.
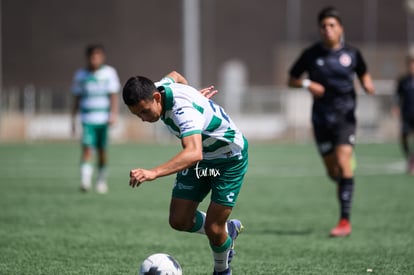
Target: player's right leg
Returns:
[[408, 152], [86, 169], [331, 166], [88, 143], [344, 153], [102, 141], [184, 215], [220, 240]]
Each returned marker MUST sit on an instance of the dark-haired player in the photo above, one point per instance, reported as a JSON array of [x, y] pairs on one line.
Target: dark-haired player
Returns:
[[331, 65], [213, 159]]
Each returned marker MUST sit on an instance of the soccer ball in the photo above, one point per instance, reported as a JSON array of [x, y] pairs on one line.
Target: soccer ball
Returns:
[[160, 264]]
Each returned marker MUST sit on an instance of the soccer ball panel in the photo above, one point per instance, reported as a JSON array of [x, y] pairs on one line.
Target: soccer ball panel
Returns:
[[160, 264]]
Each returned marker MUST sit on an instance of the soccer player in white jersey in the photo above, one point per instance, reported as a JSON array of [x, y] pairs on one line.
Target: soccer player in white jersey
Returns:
[[213, 158], [95, 90]]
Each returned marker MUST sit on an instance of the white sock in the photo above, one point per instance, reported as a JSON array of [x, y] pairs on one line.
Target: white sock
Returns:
[[86, 174], [102, 175], [221, 255]]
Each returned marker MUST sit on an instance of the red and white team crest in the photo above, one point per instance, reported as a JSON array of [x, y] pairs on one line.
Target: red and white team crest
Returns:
[[345, 60]]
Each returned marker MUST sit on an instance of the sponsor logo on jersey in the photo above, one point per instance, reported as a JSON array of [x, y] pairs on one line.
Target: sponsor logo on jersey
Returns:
[[186, 125], [206, 172], [179, 111], [230, 197], [345, 60], [182, 186], [320, 62]]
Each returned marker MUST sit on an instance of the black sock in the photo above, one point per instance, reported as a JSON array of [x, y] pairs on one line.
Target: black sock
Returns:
[[345, 192]]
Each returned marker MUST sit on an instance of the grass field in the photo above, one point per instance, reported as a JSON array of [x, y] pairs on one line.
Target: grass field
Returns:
[[287, 206]]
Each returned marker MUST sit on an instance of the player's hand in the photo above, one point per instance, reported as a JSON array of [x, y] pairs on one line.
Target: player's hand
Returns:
[[316, 89], [138, 176], [208, 92]]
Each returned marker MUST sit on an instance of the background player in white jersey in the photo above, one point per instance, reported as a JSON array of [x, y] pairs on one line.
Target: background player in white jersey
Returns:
[[95, 90], [213, 158]]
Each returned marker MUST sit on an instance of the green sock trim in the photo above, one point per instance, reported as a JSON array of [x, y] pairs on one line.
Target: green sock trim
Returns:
[[198, 222], [226, 245]]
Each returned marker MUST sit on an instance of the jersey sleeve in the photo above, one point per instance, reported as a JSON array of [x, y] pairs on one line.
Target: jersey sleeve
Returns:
[[361, 66], [300, 65], [165, 81], [77, 83], [189, 121], [114, 84]]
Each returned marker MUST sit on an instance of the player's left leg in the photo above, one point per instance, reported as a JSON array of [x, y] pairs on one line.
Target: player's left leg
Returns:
[[331, 166], [410, 151], [102, 141], [86, 167], [411, 148], [101, 184], [345, 189], [222, 233], [220, 241]]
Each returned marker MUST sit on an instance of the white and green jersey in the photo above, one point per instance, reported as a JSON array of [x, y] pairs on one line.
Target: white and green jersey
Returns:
[[94, 89], [187, 112]]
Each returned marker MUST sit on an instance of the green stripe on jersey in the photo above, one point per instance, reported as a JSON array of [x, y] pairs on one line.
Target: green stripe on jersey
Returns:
[[169, 98], [230, 134], [171, 123], [215, 122], [213, 147], [93, 110], [198, 108]]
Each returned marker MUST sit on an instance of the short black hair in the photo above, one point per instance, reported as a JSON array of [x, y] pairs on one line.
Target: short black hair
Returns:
[[138, 88], [329, 12], [93, 47]]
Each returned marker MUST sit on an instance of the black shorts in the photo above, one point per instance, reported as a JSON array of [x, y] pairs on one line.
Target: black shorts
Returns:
[[327, 138], [407, 126]]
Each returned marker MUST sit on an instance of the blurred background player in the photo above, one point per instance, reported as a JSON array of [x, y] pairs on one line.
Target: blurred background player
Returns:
[[404, 107], [213, 158], [331, 65], [95, 90]]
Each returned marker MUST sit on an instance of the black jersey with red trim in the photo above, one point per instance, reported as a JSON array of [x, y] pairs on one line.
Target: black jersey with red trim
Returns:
[[335, 70], [405, 94]]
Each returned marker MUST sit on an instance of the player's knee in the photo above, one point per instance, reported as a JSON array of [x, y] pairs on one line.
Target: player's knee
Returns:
[[179, 224], [214, 229]]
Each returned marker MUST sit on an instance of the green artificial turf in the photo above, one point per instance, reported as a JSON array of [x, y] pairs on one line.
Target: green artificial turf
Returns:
[[287, 206]]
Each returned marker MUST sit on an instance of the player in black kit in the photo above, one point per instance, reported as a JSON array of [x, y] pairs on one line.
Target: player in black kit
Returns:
[[405, 103], [331, 66]]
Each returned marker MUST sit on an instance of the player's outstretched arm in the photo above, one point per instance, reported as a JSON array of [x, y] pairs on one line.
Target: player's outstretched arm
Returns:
[[178, 78], [191, 153], [113, 116], [208, 92]]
